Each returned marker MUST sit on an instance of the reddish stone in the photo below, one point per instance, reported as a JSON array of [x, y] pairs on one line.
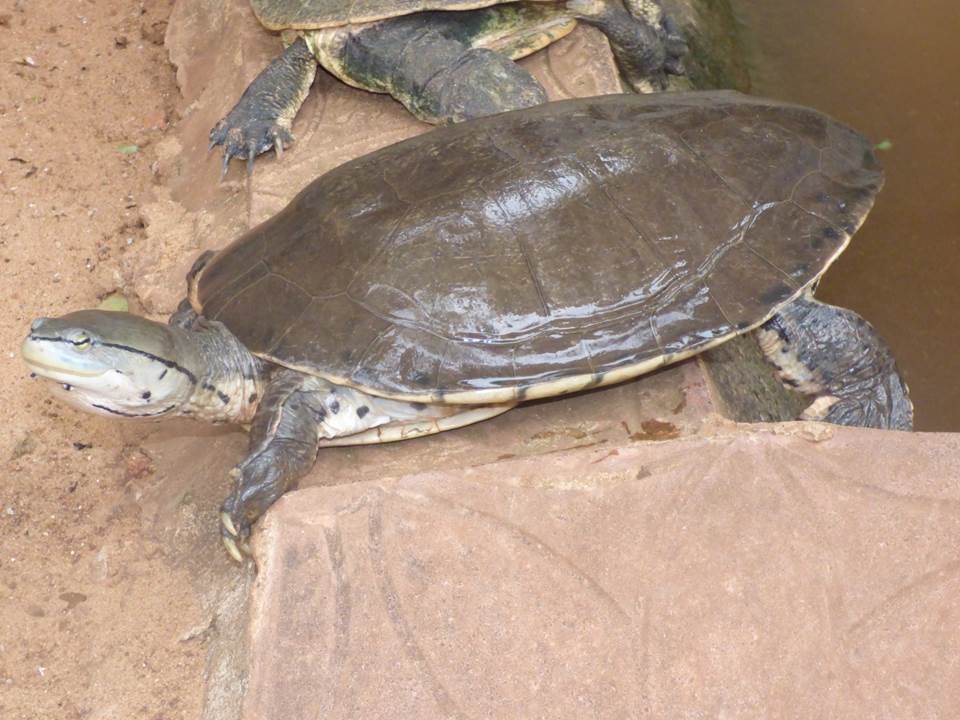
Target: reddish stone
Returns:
[[797, 571]]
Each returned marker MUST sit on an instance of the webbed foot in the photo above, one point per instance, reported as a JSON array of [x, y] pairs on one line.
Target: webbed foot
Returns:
[[244, 136], [284, 438], [259, 482], [647, 44], [263, 117]]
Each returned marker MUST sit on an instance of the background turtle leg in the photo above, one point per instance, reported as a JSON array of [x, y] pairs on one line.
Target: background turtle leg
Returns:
[[439, 77], [515, 29], [184, 316], [835, 354], [263, 117], [284, 438], [646, 43]]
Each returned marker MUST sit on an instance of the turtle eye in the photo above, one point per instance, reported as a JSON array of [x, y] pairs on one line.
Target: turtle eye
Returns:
[[82, 342]]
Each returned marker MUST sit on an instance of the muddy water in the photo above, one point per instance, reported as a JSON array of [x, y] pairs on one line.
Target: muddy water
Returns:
[[892, 70]]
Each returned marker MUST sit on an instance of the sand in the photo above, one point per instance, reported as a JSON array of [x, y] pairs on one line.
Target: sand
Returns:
[[96, 620]]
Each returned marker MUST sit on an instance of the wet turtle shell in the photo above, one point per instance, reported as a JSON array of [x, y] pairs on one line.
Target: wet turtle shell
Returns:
[[318, 14], [546, 250]]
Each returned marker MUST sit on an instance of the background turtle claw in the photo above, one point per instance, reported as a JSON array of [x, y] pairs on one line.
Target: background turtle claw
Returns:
[[244, 137], [670, 58]]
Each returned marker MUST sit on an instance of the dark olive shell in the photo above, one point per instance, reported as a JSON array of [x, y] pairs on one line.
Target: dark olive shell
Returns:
[[540, 251]]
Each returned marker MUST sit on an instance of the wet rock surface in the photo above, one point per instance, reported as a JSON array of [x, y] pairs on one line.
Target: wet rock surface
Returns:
[[749, 572]]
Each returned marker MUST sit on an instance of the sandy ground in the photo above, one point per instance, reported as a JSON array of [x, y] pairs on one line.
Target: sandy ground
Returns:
[[113, 587], [84, 632]]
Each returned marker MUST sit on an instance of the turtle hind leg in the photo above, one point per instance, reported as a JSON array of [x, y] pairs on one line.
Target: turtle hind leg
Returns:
[[480, 82], [834, 354], [647, 44], [263, 117], [439, 77]]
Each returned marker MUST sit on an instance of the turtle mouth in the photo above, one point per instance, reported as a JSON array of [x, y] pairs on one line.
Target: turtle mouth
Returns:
[[59, 374], [61, 382], [83, 388], [42, 365]]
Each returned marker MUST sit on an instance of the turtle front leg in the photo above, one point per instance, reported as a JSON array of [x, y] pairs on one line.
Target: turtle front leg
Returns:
[[837, 356], [647, 44], [263, 117], [284, 438]]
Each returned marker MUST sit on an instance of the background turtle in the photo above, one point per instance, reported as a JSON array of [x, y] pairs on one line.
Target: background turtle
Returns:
[[441, 280], [445, 60]]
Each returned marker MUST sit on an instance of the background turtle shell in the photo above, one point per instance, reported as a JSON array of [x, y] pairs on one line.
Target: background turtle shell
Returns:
[[547, 249], [317, 14]]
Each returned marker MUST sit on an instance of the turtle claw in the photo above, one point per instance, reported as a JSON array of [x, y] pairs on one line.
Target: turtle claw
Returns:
[[230, 544], [647, 43], [237, 515], [244, 137], [234, 540], [227, 523], [262, 478]]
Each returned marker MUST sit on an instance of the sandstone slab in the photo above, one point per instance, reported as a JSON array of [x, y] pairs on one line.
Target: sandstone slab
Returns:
[[790, 571]]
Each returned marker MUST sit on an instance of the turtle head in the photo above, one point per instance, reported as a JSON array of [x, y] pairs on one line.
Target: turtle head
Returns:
[[110, 363]]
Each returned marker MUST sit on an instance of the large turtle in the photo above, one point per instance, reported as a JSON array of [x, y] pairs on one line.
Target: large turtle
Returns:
[[444, 66], [441, 280]]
